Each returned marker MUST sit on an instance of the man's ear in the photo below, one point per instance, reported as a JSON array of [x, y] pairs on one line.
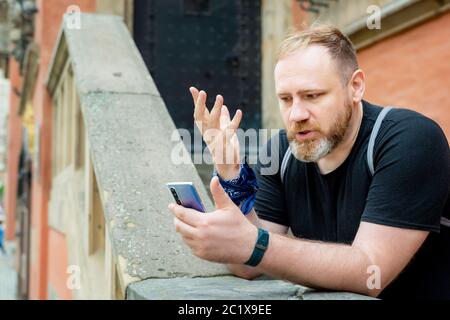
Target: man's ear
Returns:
[[357, 86]]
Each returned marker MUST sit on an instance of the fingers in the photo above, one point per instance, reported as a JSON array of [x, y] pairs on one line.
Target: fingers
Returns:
[[194, 92], [216, 111], [224, 117], [219, 117], [186, 215], [191, 242], [234, 125], [200, 105], [184, 229], [221, 199]]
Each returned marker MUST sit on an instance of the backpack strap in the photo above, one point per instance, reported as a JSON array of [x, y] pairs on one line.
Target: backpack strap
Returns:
[[445, 222], [373, 136], [284, 163]]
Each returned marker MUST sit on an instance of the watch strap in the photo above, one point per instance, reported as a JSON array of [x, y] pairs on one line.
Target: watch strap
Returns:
[[262, 242]]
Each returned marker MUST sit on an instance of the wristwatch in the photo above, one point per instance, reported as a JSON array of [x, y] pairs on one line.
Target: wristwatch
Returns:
[[262, 242]]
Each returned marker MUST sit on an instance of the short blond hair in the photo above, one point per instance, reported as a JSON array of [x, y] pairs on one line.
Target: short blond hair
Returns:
[[339, 46]]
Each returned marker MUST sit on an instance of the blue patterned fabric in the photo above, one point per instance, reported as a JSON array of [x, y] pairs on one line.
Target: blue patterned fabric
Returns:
[[241, 190]]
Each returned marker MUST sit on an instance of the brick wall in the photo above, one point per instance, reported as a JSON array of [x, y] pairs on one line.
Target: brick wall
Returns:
[[412, 69]]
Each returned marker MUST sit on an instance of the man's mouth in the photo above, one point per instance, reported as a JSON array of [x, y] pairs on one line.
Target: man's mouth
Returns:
[[305, 134]]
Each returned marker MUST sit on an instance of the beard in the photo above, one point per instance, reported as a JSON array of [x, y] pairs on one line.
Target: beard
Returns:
[[311, 150]]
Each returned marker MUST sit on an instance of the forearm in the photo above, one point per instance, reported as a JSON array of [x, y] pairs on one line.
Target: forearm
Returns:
[[317, 265], [312, 264]]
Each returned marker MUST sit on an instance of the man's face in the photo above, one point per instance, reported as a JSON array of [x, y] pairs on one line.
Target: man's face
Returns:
[[315, 106]]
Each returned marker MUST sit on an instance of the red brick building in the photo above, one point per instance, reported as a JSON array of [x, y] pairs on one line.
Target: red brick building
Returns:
[[47, 258], [412, 69]]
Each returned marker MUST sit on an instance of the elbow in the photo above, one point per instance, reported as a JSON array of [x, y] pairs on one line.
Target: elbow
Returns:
[[370, 282], [363, 289], [375, 288], [243, 272], [373, 293], [246, 276]]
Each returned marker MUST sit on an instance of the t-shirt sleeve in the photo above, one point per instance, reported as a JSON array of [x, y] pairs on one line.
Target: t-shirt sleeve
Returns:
[[411, 183], [270, 203]]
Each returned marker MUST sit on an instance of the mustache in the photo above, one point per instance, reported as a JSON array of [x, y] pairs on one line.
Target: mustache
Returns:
[[298, 127]]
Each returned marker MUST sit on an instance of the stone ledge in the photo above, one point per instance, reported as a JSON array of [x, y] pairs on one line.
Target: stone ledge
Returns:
[[131, 138], [229, 288], [135, 196]]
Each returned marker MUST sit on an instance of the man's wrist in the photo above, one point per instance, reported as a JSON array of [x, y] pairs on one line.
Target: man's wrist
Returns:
[[242, 188], [228, 172], [248, 245]]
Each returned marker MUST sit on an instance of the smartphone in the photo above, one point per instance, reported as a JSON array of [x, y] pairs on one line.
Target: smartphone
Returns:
[[186, 195]]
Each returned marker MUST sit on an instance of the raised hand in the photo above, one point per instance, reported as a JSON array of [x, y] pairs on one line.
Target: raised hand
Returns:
[[218, 132]]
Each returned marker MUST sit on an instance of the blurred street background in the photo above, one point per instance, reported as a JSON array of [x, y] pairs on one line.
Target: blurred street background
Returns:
[[8, 274]]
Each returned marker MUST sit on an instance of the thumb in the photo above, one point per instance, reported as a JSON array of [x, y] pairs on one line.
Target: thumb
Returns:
[[221, 199]]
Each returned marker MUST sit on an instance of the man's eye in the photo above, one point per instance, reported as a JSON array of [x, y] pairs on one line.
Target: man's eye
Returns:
[[286, 99], [312, 96]]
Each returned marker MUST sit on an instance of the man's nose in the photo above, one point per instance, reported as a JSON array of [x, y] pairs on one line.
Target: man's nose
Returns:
[[298, 112]]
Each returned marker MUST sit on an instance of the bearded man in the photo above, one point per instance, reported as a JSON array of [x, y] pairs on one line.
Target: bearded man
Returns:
[[364, 189]]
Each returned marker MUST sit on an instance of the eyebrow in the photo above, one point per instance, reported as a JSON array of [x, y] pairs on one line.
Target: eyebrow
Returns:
[[303, 91]]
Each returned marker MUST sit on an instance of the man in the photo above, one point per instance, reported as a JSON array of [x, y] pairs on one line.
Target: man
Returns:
[[378, 235]]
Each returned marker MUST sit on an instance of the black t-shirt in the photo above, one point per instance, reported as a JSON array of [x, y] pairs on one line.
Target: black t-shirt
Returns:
[[409, 189]]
